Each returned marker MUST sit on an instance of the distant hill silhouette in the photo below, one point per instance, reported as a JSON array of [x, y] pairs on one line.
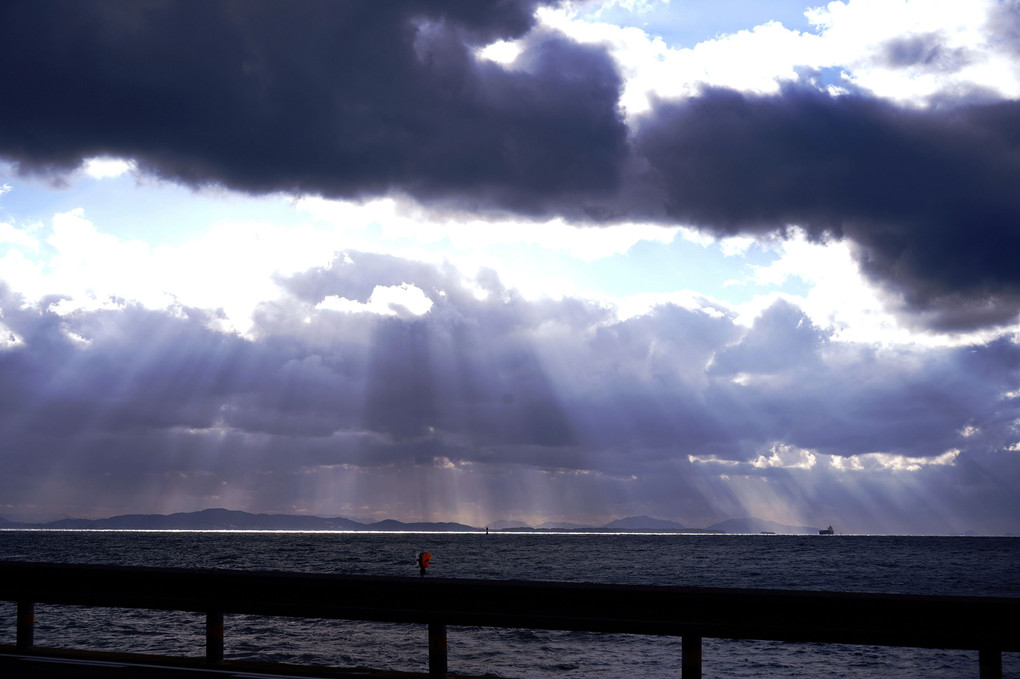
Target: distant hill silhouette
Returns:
[[209, 519], [227, 519]]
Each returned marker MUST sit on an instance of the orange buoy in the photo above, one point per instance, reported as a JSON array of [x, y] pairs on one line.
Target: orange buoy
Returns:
[[424, 561]]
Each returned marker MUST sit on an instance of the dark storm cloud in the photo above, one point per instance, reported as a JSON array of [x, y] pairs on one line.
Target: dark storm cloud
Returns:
[[927, 196], [354, 99], [337, 98]]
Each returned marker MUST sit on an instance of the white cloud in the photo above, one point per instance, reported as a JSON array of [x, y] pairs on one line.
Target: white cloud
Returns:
[[402, 223], [23, 275], [105, 167], [852, 37], [754, 60], [8, 338], [20, 237], [636, 6], [890, 462], [501, 51], [784, 456], [231, 267], [712, 459], [840, 298], [405, 301], [639, 304], [470, 244], [856, 35]]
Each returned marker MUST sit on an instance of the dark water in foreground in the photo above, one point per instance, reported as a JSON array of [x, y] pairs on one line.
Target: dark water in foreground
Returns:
[[922, 565]]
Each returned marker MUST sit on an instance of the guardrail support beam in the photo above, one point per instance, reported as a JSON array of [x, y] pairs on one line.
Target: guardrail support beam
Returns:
[[213, 637], [690, 665], [437, 650], [26, 626], [990, 663]]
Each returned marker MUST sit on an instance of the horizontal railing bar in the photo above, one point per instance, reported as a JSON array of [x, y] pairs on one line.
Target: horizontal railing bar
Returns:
[[953, 622]]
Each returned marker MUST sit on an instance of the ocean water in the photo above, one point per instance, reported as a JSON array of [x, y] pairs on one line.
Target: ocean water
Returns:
[[895, 564]]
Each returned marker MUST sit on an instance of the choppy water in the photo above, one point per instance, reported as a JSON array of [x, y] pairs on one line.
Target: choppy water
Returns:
[[923, 565]]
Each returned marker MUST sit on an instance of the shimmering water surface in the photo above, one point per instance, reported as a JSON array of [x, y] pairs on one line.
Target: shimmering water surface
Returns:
[[923, 565]]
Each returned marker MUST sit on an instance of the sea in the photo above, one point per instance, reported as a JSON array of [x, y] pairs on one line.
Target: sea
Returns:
[[981, 566]]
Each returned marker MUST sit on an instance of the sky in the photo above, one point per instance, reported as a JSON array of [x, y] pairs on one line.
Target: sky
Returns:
[[523, 261]]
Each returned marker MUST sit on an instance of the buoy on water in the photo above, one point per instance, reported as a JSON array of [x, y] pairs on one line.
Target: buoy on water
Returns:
[[424, 561]]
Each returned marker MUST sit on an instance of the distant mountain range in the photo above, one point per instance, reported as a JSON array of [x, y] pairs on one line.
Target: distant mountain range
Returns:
[[226, 519]]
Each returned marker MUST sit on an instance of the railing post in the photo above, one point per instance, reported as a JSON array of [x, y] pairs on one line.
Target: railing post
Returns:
[[437, 650], [213, 637], [26, 626], [690, 664], [989, 663]]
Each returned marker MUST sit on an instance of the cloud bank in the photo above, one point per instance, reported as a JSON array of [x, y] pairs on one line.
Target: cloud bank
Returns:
[[489, 403]]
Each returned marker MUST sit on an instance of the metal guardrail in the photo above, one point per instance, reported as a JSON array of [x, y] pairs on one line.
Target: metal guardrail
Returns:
[[990, 625]]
